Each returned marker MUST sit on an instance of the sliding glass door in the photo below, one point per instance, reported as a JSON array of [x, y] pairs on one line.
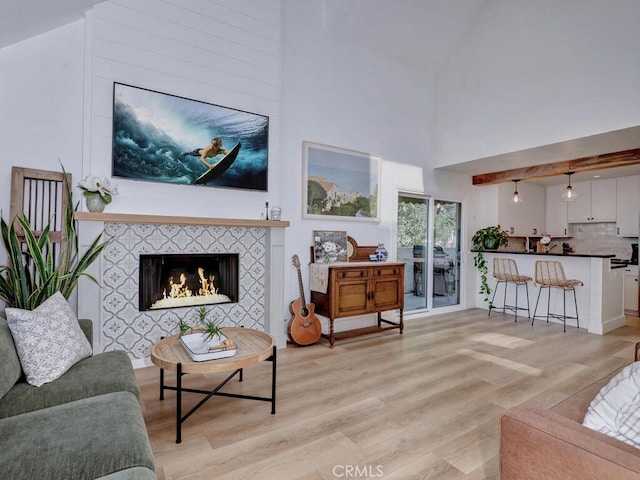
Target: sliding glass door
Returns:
[[413, 221], [446, 254], [429, 244]]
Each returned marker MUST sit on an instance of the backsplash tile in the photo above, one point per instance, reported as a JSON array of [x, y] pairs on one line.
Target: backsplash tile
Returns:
[[598, 238], [586, 238]]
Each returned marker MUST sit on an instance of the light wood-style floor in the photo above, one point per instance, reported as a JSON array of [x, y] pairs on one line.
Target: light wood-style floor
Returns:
[[424, 405]]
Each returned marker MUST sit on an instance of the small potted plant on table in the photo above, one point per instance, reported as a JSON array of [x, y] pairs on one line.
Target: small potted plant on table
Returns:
[[207, 342], [211, 328]]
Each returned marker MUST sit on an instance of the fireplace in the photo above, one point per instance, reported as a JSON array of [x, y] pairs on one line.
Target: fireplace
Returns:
[[178, 280], [114, 303]]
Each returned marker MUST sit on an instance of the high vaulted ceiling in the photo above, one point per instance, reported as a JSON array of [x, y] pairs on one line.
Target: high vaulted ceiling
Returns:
[[420, 34]]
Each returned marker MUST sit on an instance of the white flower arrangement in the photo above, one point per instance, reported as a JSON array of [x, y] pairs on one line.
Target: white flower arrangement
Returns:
[[100, 185], [329, 251], [546, 239]]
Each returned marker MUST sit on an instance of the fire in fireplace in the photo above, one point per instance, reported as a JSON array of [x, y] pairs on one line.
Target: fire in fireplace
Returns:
[[177, 280]]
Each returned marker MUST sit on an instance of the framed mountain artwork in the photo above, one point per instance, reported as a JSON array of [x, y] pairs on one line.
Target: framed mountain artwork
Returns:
[[340, 184]]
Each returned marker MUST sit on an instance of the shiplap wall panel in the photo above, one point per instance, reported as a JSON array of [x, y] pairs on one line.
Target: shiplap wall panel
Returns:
[[224, 52], [188, 58], [253, 98], [182, 68], [265, 10], [196, 31], [255, 22]]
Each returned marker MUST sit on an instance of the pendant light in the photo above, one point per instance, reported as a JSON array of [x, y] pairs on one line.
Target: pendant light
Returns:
[[517, 199], [569, 194]]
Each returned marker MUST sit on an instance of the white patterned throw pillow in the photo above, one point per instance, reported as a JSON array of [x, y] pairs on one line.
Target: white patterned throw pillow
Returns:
[[615, 411], [49, 339]]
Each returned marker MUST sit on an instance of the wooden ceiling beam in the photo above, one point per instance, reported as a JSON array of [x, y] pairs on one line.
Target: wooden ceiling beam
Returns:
[[596, 162]]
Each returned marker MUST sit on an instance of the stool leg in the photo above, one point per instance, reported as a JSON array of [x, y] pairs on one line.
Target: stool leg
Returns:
[[535, 310], [548, 303], [493, 298], [564, 310], [516, 306], [575, 300], [504, 298], [526, 289]]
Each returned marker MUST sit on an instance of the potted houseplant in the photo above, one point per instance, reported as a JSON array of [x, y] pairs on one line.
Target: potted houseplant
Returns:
[[488, 238], [34, 273], [98, 192], [207, 342]]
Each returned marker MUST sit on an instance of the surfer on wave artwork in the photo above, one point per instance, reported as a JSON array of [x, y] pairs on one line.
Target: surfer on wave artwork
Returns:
[[209, 151]]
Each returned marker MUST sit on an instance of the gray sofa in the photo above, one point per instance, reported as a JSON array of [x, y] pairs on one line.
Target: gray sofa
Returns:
[[87, 424]]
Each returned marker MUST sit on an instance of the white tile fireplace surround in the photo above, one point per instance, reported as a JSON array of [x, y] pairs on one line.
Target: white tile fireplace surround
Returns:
[[113, 305]]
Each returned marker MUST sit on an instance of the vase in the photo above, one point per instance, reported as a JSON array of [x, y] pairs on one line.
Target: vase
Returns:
[[491, 243], [381, 253], [94, 201]]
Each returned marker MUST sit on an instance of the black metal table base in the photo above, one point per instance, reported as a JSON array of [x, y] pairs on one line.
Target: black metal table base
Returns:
[[180, 419]]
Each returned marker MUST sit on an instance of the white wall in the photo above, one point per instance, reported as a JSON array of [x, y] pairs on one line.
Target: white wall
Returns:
[[343, 94], [283, 60], [41, 106], [534, 73], [223, 52]]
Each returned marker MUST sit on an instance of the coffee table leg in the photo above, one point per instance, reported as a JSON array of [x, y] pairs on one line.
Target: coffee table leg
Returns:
[[179, 404], [273, 381]]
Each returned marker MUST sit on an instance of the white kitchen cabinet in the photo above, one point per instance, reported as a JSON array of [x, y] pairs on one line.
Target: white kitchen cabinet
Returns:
[[628, 206], [596, 202], [521, 219], [631, 290], [556, 223]]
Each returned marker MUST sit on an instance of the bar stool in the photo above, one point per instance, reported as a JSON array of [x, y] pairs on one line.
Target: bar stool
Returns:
[[505, 271], [550, 274]]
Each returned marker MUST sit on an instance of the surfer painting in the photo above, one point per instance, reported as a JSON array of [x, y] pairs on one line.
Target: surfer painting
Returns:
[[210, 151], [218, 168], [166, 138]]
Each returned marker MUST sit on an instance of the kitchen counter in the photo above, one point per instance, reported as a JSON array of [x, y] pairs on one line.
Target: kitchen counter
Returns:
[[551, 254], [564, 255], [600, 300]]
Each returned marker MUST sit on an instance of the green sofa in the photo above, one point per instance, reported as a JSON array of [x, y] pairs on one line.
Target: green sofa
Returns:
[[87, 424]]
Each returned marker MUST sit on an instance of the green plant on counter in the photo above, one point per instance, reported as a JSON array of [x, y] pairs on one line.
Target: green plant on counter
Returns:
[[488, 238]]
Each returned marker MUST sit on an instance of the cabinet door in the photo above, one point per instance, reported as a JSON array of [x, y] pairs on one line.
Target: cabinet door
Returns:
[[387, 286], [603, 200], [628, 206], [350, 290], [556, 212], [579, 210], [631, 293]]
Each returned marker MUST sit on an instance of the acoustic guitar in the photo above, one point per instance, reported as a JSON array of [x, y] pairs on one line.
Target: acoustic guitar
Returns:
[[304, 327]]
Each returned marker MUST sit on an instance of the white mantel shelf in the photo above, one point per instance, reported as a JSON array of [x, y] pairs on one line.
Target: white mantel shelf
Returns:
[[175, 220]]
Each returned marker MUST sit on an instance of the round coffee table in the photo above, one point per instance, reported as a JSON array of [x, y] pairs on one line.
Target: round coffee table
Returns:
[[254, 346]]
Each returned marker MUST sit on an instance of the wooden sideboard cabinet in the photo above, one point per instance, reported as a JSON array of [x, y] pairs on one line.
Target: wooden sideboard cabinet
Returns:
[[361, 288]]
